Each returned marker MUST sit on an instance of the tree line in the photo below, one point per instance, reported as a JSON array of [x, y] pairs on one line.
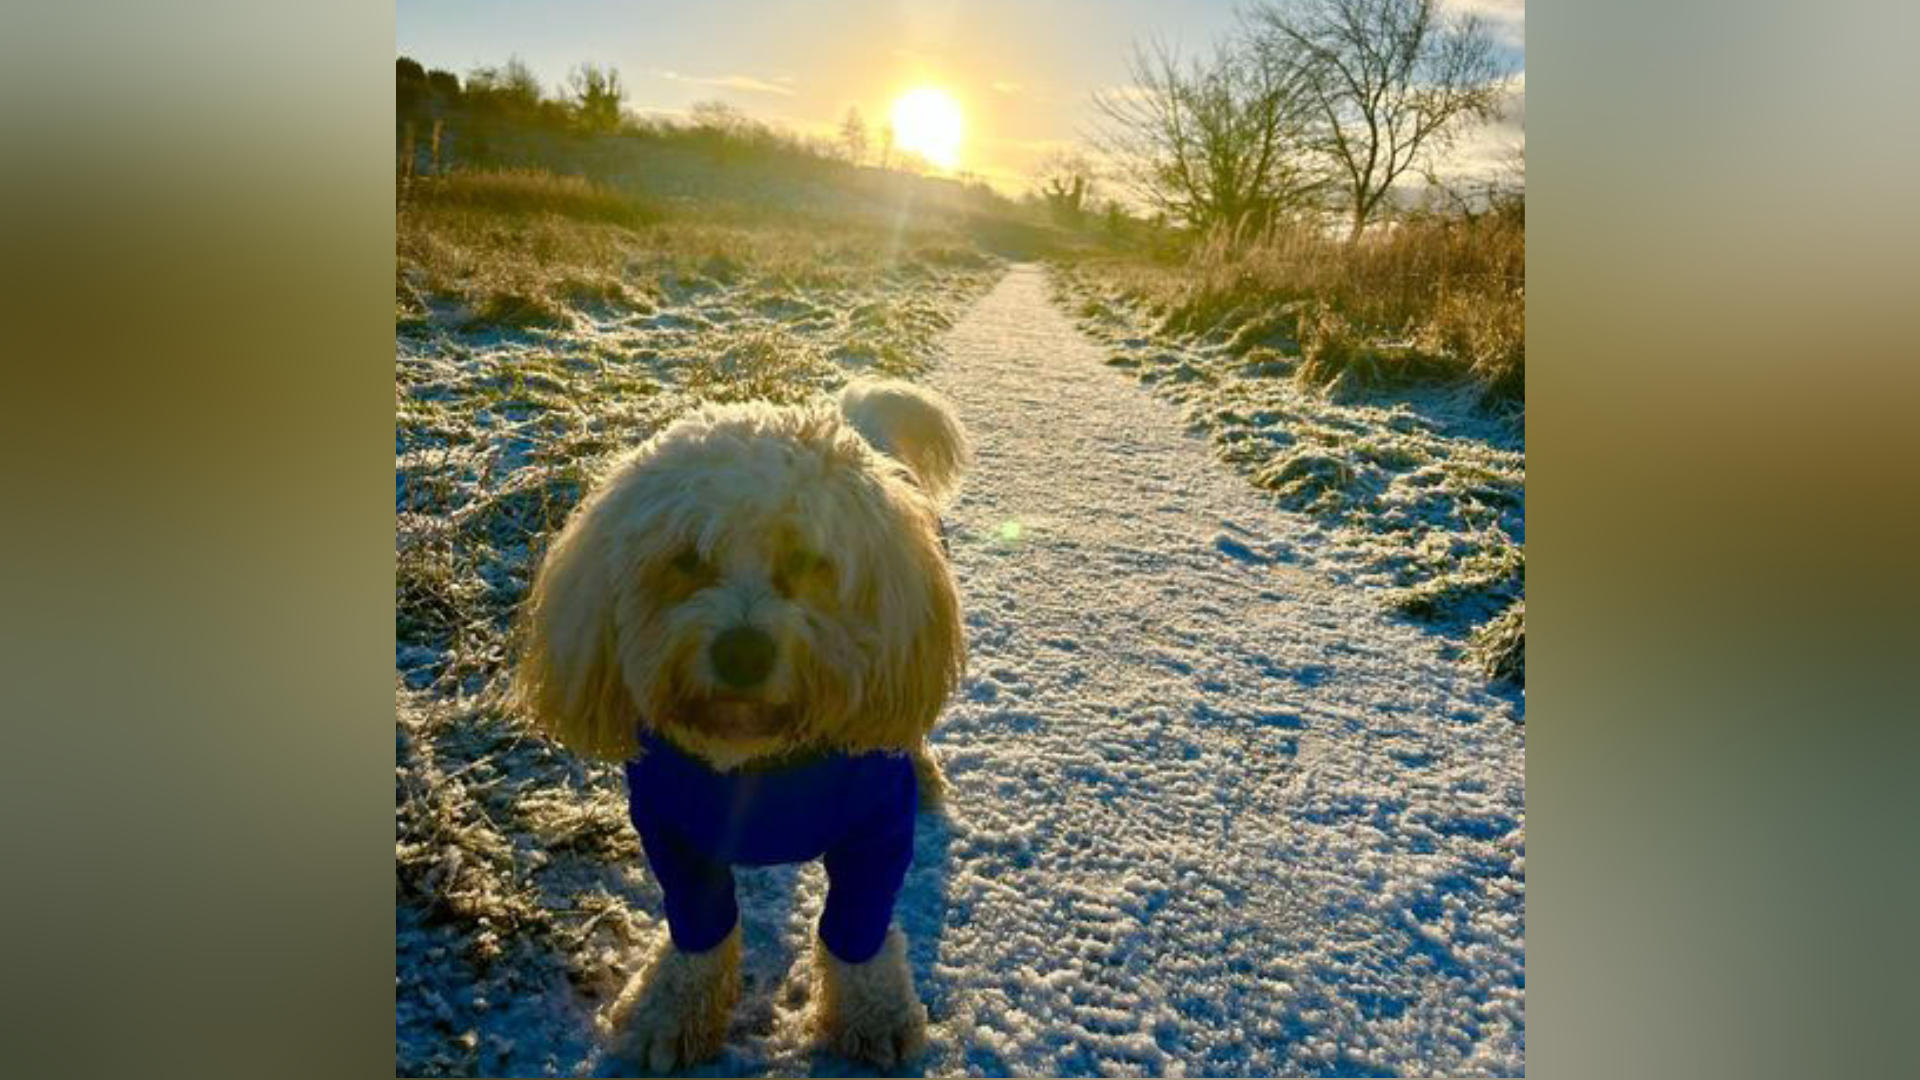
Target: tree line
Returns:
[[591, 98]]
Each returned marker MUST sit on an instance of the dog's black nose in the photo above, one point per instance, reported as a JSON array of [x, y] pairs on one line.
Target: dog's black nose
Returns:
[[742, 657]]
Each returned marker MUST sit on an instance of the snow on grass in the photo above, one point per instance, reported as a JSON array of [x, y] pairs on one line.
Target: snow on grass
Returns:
[[1415, 476]]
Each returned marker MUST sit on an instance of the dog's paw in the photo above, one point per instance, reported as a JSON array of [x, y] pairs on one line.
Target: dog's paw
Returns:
[[675, 1012], [868, 1011]]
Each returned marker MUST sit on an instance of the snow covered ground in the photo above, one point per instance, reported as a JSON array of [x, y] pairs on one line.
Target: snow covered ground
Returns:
[[1214, 812]]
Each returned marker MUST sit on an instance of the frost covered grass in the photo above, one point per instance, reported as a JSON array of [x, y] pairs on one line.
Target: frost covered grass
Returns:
[[518, 248], [1329, 393], [1432, 297], [544, 324]]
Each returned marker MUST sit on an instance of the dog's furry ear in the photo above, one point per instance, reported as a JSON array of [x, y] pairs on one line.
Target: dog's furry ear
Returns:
[[568, 678], [923, 650], [916, 427]]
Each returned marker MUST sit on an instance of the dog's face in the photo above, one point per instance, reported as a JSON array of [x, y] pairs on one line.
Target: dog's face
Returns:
[[755, 579]]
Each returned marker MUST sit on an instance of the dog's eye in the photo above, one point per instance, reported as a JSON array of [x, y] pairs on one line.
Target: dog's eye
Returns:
[[688, 562], [798, 566]]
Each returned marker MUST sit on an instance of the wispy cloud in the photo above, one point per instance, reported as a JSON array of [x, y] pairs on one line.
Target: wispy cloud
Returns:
[[1006, 86], [1506, 19], [745, 83]]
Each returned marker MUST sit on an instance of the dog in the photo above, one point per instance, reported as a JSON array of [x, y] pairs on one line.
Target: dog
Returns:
[[755, 613]]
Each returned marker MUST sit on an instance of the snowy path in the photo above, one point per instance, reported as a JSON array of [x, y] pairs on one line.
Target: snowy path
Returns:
[[1212, 813]]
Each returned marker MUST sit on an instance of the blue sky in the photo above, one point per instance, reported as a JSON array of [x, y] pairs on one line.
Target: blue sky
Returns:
[[1023, 72]]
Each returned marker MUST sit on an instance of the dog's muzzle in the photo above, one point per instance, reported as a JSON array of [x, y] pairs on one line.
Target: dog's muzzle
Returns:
[[742, 657]]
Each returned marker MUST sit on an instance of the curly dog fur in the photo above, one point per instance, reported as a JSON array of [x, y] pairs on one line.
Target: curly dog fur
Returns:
[[676, 1010], [868, 1010]]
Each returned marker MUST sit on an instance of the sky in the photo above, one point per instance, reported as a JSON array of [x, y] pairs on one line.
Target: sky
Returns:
[[1023, 73]]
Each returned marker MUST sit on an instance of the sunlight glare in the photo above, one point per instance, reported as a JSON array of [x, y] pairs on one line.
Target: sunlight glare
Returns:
[[926, 121]]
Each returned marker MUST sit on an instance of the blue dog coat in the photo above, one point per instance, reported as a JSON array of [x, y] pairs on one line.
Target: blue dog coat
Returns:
[[696, 824]]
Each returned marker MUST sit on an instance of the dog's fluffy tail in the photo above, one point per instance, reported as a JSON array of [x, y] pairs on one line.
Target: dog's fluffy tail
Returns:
[[917, 427]]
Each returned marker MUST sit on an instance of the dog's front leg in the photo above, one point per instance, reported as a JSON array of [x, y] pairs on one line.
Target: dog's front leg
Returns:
[[868, 1011], [675, 1011]]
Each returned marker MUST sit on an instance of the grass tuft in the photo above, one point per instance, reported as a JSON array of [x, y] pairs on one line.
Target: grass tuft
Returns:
[[1309, 480], [1500, 646]]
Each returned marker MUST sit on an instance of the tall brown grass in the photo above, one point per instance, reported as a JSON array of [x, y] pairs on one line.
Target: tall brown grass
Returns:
[[1426, 288], [525, 191]]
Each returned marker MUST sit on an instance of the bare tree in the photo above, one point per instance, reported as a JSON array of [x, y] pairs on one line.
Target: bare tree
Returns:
[[1207, 143], [1390, 82], [1065, 180], [853, 136], [886, 144], [597, 94]]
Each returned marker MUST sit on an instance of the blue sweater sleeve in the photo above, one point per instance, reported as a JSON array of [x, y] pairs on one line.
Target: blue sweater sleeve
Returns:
[[866, 866], [697, 891]]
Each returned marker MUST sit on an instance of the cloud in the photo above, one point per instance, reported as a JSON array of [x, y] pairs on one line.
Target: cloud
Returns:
[[733, 82], [1006, 87], [1506, 19]]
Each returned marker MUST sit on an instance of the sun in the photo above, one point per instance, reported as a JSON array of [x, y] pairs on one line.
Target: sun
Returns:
[[926, 120]]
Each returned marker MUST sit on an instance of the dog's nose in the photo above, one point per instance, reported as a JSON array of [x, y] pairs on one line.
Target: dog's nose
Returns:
[[742, 657]]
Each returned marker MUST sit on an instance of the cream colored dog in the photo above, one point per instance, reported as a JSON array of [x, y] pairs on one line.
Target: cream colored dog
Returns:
[[754, 611]]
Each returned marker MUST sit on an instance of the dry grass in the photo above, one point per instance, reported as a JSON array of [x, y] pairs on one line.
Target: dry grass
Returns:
[[513, 256], [767, 365], [523, 247], [1429, 296], [526, 191]]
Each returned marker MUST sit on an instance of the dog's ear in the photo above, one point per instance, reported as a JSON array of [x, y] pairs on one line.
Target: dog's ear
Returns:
[[568, 678], [927, 656], [915, 426]]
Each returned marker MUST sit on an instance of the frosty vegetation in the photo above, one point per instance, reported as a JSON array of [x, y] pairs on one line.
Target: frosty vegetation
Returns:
[[1415, 470]]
